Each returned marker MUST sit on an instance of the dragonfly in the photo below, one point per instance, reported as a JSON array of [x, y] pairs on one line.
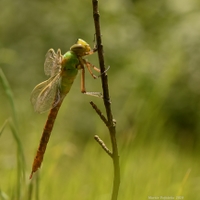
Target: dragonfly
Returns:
[[49, 95]]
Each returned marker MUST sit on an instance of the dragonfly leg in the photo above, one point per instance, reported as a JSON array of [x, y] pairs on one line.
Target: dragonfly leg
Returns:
[[83, 80], [88, 65], [91, 65], [83, 90], [91, 52], [95, 43], [104, 72]]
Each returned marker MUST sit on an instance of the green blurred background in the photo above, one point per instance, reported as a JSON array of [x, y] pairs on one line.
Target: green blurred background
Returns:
[[153, 50]]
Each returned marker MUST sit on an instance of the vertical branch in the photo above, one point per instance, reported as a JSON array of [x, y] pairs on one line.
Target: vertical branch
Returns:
[[107, 103]]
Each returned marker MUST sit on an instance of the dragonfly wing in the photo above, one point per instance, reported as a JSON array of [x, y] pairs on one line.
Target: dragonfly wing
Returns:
[[36, 91], [52, 64], [46, 95]]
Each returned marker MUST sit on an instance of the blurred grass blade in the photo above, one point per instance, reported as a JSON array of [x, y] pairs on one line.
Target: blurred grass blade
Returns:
[[20, 153], [14, 130], [2, 128], [3, 196], [37, 184], [9, 94], [184, 182], [30, 191], [20, 161]]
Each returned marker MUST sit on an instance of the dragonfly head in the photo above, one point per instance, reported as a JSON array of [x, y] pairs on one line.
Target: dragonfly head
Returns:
[[81, 48]]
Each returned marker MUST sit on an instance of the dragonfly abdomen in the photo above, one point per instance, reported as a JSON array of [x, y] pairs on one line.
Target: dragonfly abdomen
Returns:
[[45, 137]]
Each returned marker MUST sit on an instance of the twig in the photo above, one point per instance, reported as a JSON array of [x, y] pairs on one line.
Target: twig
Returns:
[[107, 103], [101, 142], [99, 113]]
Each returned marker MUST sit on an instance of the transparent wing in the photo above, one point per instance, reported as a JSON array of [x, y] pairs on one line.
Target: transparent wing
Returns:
[[52, 64], [46, 95]]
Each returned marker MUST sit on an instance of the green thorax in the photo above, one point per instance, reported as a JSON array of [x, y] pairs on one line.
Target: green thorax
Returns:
[[69, 71]]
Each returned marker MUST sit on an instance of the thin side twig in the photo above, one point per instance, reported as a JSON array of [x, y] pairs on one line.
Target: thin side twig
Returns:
[[111, 123], [99, 113], [102, 144]]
